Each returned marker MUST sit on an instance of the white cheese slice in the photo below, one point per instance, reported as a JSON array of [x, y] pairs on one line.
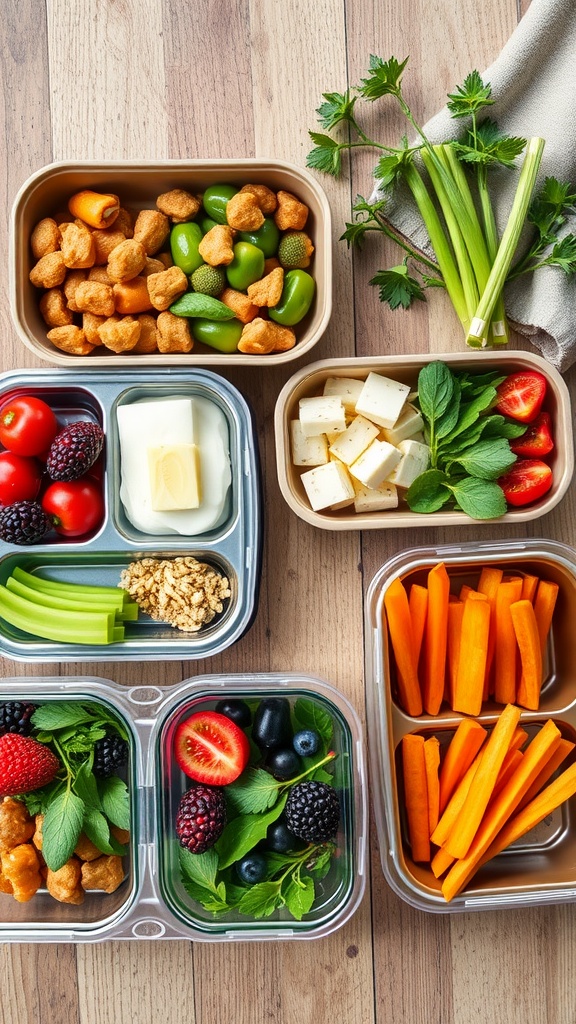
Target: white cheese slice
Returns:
[[376, 463], [321, 415], [382, 399], [327, 486], [347, 389], [408, 424], [307, 451], [174, 482], [354, 440], [375, 499], [415, 459]]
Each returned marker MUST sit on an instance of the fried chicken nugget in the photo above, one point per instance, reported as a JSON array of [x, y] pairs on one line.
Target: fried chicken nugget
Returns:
[[120, 334], [99, 274], [53, 308], [165, 287], [91, 324], [73, 279], [216, 246], [151, 229], [243, 212], [264, 336], [95, 297], [65, 884], [45, 238], [70, 339], [21, 868], [49, 271], [105, 240], [77, 246], [5, 885], [173, 333], [85, 849], [148, 340], [16, 825], [267, 291], [153, 265], [243, 307], [178, 204], [291, 213], [126, 260], [106, 873], [266, 197]]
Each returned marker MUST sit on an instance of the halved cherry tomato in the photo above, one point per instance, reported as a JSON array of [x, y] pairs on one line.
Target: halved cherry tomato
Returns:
[[526, 481], [210, 748], [537, 439], [20, 478], [76, 507], [521, 395], [27, 425]]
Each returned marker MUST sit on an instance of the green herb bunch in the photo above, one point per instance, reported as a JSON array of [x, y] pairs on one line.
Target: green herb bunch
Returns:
[[254, 802], [76, 800], [472, 262], [469, 444]]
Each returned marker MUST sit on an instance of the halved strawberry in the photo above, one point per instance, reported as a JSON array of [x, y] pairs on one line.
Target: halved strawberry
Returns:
[[521, 395], [25, 764], [211, 748], [537, 439], [526, 481]]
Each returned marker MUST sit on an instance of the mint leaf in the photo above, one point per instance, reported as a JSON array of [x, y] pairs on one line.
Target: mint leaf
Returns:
[[256, 790], [429, 492], [487, 459], [261, 900], [85, 785], [115, 801], [60, 715], [244, 832], [479, 499], [320, 866], [309, 715], [200, 868], [61, 828], [97, 829], [197, 304], [299, 896], [435, 390]]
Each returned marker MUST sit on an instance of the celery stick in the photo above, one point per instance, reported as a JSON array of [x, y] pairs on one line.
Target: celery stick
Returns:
[[82, 590], [509, 240], [56, 624], [62, 603], [499, 333]]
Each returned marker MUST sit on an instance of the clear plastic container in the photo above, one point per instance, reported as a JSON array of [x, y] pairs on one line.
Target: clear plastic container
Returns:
[[540, 868], [152, 901]]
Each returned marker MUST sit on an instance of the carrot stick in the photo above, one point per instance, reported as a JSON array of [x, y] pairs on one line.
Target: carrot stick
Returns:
[[465, 589], [418, 603], [416, 795], [529, 587], [472, 656], [460, 753], [561, 752], [440, 862], [455, 804], [436, 638], [505, 652], [94, 208], [519, 738], [455, 613], [503, 807], [491, 757], [432, 764], [509, 766], [526, 629], [490, 579], [544, 604], [400, 630]]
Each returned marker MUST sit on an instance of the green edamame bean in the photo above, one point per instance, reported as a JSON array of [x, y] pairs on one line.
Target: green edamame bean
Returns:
[[222, 335], [215, 201], [296, 298], [246, 267], [184, 242], [266, 238], [206, 223]]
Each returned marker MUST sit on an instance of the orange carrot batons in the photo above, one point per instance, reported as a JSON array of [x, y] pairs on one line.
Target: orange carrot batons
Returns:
[[559, 754], [461, 751], [436, 638], [418, 603], [432, 764], [529, 587], [544, 604], [400, 631], [473, 655], [528, 638], [96, 209], [416, 795], [506, 647], [455, 613]]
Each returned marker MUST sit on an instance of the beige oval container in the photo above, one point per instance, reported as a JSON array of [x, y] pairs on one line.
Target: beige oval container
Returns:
[[309, 381], [48, 190]]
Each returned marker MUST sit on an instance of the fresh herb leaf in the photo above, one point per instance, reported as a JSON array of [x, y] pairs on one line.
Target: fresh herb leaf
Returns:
[[563, 255], [309, 715], [98, 831], [115, 801], [255, 791], [470, 97], [193, 304], [85, 786], [435, 390], [326, 155], [319, 865], [429, 492], [479, 499], [384, 78], [57, 715], [298, 895], [261, 900], [200, 868], [337, 107], [244, 832], [61, 828], [397, 287], [487, 459], [486, 144]]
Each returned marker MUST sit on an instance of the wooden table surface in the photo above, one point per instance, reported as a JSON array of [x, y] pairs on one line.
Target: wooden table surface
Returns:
[[161, 79]]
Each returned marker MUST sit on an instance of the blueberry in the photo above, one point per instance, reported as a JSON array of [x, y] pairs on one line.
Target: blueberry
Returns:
[[306, 742], [280, 839], [284, 763], [252, 869], [236, 710]]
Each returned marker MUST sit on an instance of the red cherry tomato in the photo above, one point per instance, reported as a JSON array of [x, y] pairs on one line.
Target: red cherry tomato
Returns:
[[537, 439], [526, 481], [76, 507], [20, 478], [211, 748], [521, 395], [27, 425]]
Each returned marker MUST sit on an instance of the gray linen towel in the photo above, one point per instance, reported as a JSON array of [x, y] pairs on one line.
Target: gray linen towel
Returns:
[[534, 87]]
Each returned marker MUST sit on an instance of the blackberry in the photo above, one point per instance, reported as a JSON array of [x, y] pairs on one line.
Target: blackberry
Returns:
[[110, 753], [313, 811], [74, 450], [15, 717], [23, 522], [200, 818]]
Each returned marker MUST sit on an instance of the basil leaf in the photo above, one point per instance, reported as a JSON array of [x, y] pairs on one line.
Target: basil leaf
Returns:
[[60, 715], [61, 828], [501, 427], [243, 833], [488, 459], [255, 791], [200, 868], [299, 896], [479, 499], [115, 801], [197, 304], [435, 390], [309, 715], [429, 492], [261, 900], [98, 830], [445, 423], [85, 786], [470, 411]]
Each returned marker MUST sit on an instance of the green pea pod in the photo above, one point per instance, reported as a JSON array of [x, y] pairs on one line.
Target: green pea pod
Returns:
[[218, 334], [184, 242], [246, 267], [296, 298], [215, 201], [266, 238], [195, 304]]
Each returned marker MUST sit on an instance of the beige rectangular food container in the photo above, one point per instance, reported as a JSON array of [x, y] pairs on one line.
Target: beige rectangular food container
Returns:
[[138, 184], [310, 380], [539, 868]]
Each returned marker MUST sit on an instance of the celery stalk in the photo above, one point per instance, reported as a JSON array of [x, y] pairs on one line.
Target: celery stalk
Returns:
[[114, 595], [508, 242], [56, 624]]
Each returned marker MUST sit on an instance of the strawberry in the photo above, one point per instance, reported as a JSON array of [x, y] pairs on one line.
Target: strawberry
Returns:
[[25, 764]]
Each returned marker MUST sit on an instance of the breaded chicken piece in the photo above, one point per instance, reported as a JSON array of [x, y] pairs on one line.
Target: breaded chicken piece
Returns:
[[267, 291], [126, 260], [173, 333], [77, 246], [216, 246], [266, 197], [179, 205], [16, 825], [49, 271], [120, 334], [264, 336], [151, 229], [106, 873], [95, 297], [45, 238], [291, 213], [70, 339], [243, 212], [165, 287], [21, 868], [53, 308], [65, 884]]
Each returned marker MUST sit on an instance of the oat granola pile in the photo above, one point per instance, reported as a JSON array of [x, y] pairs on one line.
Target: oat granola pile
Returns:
[[181, 591]]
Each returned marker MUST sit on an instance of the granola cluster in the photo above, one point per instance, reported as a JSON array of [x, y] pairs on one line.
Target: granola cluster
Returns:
[[181, 591]]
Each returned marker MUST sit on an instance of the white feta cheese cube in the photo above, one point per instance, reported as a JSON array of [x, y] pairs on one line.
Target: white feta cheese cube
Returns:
[[332, 436], [321, 415], [375, 499], [355, 439], [307, 451], [376, 463], [327, 485], [407, 425], [346, 388], [415, 459], [382, 400]]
